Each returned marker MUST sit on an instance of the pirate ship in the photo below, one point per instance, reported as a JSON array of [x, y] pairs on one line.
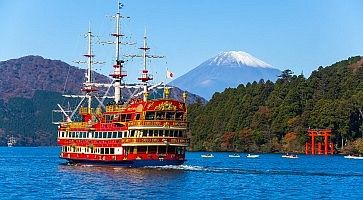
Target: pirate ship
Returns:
[[137, 132]]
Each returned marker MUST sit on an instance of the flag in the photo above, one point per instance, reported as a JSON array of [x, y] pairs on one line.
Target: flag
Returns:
[[169, 74]]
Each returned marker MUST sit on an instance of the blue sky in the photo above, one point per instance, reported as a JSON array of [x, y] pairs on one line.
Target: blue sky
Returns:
[[296, 34]]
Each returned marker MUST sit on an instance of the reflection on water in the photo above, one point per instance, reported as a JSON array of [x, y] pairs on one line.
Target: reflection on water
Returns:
[[133, 175]]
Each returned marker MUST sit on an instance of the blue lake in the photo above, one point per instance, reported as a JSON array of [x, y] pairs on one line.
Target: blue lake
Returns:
[[38, 173]]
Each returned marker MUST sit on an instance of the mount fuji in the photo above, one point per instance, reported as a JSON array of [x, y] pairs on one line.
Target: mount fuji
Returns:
[[227, 69]]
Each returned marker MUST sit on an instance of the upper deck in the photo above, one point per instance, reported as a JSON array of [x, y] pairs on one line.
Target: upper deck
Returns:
[[137, 114]]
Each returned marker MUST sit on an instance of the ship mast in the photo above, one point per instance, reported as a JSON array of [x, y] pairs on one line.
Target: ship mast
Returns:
[[145, 77], [118, 74], [88, 84]]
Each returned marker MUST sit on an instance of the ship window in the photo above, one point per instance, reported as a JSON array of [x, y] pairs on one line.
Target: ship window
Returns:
[[144, 134], [116, 117], [137, 116], [73, 134], [102, 150], [152, 149], [132, 133], [109, 118], [119, 134], [107, 150], [167, 133], [123, 117], [160, 115], [128, 117], [104, 134], [179, 116], [141, 149], [170, 115], [162, 149], [150, 115], [171, 149], [112, 150]]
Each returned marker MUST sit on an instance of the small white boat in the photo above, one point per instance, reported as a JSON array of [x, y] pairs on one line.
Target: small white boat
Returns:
[[207, 155], [11, 141], [235, 155], [354, 157], [289, 156], [252, 156]]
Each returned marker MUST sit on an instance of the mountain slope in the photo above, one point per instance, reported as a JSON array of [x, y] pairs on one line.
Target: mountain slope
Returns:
[[31, 87], [227, 69], [24, 76], [274, 117]]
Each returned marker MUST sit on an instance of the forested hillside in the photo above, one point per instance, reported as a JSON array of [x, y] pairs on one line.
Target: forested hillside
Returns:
[[32, 86], [274, 117]]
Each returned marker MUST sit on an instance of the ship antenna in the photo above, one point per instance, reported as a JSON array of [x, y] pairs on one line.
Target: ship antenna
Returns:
[[118, 73]]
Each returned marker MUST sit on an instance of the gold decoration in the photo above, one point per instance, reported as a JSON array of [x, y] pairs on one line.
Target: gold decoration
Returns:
[[165, 106], [149, 106], [185, 95], [166, 92], [139, 108], [181, 106]]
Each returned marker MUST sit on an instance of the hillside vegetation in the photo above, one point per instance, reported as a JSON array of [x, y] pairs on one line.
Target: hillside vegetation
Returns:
[[274, 117], [32, 86]]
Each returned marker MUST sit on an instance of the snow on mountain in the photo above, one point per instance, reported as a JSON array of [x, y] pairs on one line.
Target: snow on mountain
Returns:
[[227, 69], [237, 58]]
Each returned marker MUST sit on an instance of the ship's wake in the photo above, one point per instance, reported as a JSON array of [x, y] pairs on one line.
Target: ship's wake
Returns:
[[279, 172]]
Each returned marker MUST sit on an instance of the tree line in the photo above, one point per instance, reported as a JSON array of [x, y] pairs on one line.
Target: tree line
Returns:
[[274, 117]]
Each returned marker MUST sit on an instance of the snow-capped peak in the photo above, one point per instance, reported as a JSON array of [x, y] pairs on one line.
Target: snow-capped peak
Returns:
[[237, 58]]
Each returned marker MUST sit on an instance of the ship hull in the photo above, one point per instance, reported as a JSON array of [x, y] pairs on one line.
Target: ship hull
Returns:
[[128, 163]]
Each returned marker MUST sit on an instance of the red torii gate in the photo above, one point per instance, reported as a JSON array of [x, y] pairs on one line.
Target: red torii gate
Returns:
[[328, 146]]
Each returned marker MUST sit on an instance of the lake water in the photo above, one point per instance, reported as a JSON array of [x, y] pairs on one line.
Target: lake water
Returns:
[[38, 173]]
